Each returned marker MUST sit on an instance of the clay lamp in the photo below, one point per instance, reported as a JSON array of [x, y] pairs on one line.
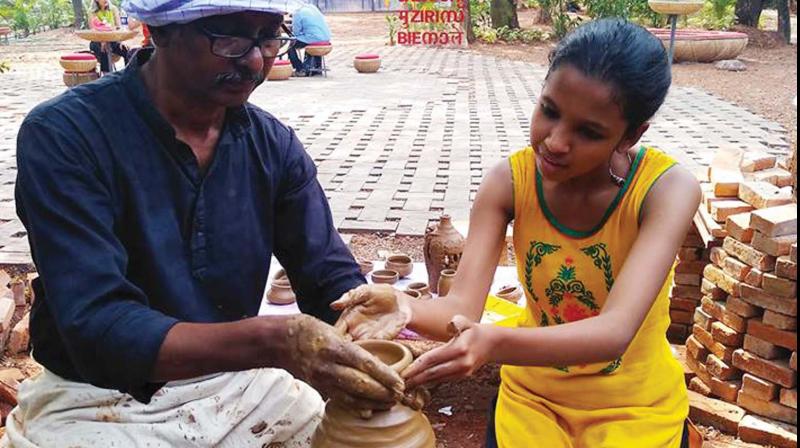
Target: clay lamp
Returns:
[[385, 276], [400, 263]]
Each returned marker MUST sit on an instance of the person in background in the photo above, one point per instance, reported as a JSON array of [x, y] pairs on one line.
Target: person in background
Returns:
[[308, 27], [105, 17]]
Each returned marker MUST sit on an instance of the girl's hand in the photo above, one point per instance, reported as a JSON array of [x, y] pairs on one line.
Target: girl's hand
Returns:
[[372, 312], [469, 349]]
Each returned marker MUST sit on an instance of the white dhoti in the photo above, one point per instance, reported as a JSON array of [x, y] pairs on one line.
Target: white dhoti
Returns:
[[255, 408]]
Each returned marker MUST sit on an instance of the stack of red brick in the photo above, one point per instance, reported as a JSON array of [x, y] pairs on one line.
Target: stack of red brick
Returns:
[[743, 346], [685, 294], [15, 299]]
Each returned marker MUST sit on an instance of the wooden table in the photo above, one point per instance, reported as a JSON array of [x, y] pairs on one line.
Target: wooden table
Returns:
[[107, 37]]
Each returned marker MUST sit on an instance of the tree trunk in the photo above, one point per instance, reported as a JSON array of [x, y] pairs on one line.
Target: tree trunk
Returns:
[[748, 12], [504, 13], [468, 23], [80, 15], [784, 20]]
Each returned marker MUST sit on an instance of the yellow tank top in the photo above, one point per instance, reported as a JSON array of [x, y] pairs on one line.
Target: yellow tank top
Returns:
[[639, 400]]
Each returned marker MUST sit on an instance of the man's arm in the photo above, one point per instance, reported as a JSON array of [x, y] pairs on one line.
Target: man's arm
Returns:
[[318, 263]]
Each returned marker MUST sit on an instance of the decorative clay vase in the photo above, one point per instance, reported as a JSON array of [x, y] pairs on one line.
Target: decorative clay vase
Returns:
[[399, 427], [402, 264], [446, 279], [442, 250]]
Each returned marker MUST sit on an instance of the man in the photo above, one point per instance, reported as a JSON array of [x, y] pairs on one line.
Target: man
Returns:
[[308, 27], [153, 201]]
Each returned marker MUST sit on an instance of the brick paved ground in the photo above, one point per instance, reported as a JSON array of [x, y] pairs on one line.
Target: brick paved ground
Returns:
[[398, 148]]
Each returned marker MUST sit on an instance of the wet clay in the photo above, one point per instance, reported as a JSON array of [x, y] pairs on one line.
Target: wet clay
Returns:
[[399, 427]]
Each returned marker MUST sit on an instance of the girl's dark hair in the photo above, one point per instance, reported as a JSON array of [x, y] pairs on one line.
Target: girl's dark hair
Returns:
[[625, 55]]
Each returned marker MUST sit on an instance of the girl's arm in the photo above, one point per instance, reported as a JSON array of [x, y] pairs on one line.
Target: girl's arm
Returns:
[[492, 211], [666, 216]]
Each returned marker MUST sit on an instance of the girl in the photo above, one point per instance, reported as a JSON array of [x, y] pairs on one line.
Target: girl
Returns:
[[104, 17], [598, 221]]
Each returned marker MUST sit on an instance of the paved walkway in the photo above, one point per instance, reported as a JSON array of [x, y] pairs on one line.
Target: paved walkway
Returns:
[[398, 148]]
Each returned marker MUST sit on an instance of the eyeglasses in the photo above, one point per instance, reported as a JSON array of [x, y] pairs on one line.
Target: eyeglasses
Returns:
[[235, 47]]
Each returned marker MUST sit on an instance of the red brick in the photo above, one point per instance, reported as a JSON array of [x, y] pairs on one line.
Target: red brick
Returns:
[[789, 398], [690, 267], [786, 268], [738, 227], [780, 287], [781, 338], [726, 335], [708, 288], [694, 241], [763, 194], [722, 370], [681, 317], [695, 350], [725, 390], [720, 350], [720, 210], [717, 256], [777, 371], [742, 308], [754, 278], [686, 292], [703, 337], [759, 388], [681, 304], [763, 431], [736, 269], [718, 414], [727, 283], [780, 321], [776, 246], [708, 226], [697, 386], [757, 161], [769, 409], [709, 198], [720, 312], [20, 336], [793, 252], [7, 307], [690, 254], [776, 176], [764, 349], [793, 361], [759, 297], [775, 221], [703, 319], [688, 279], [750, 256], [726, 183], [679, 352]]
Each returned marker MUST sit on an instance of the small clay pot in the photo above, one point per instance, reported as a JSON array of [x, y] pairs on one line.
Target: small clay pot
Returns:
[[511, 293], [385, 276], [413, 294], [397, 356], [366, 266], [281, 293], [446, 279], [400, 263], [422, 288]]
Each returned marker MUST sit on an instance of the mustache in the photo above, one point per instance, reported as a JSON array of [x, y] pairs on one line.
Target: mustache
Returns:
[[239, 77]]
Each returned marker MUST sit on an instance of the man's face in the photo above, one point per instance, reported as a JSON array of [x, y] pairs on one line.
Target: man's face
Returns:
[[222, 81]]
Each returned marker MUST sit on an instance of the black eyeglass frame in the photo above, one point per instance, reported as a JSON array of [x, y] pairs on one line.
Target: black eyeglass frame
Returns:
[[254, 42]]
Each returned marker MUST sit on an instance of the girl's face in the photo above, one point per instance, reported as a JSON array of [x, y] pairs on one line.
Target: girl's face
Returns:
[[577, 126], [102, 3]]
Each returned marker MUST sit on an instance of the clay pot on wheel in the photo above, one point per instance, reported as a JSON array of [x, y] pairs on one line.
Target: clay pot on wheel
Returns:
[[399, 427], [400, 263], [280, 292], [385, 276], [446, 280], [443, 248], [511, 293]]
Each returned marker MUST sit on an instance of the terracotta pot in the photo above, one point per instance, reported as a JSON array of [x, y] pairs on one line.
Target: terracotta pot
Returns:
[[281, 293], [280, 71], [442, 250], [446, 279], [413, 294], [400, 263], [511, 293], [386, 276], [367, 63], [365, 266], [399, 427], [422, 288]]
